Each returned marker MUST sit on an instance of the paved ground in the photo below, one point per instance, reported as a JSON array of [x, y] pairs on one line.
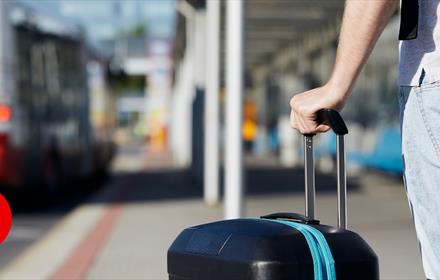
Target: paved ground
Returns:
[[123, 232], [27, 229], [34, 215]]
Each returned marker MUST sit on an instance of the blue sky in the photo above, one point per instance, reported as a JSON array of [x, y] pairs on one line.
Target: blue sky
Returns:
[[102, 19]]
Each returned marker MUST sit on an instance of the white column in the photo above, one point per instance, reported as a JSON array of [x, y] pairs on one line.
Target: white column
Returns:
[[183, 95], [211, 162], [234, 99], [199, 48]]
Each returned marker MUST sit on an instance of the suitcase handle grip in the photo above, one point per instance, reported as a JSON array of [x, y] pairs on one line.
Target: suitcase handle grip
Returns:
[[291, 216], [335, 121]]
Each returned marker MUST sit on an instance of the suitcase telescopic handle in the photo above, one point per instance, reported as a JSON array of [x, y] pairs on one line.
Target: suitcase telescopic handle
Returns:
[[333, 119]]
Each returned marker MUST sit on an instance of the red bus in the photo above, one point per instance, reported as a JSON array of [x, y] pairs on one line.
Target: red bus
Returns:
[[46, 135]]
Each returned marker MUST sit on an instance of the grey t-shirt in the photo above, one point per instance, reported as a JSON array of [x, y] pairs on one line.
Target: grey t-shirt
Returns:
[[424, 51]]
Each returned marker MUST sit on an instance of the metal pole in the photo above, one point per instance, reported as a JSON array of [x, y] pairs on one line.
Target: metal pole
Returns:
[[309, 176], [342, 182], [234, 98], [211, 170]]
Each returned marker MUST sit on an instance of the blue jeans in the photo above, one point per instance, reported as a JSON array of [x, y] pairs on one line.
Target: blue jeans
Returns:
[[420, 127]]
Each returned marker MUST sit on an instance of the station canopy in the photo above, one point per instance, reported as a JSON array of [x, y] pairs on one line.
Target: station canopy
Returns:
[[274, 25]]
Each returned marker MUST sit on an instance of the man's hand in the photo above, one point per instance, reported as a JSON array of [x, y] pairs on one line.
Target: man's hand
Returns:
[[362, 24], [305, 106]]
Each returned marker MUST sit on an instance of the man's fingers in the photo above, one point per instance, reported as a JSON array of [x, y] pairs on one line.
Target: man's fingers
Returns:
[[322, 128], [304, 127], [293, 121]]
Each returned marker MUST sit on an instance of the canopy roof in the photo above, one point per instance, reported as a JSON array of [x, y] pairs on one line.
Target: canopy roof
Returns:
[[275, 29], [272, 25]]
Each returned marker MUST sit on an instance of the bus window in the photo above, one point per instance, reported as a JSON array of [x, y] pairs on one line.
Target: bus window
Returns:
[[37, 66]]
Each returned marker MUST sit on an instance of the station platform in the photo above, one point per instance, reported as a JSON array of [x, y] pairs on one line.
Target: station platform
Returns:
[[124, 230]]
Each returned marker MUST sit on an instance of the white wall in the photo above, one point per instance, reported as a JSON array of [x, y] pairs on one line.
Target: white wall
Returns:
[[189, 75]]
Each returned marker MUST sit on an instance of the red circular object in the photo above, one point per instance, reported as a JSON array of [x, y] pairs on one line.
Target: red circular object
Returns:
[[5, 218]]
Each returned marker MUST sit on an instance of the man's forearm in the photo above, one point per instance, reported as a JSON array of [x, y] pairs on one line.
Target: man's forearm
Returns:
[[362, 24]]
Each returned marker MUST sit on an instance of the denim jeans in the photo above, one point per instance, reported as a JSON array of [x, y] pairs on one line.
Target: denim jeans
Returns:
[[420, 128]]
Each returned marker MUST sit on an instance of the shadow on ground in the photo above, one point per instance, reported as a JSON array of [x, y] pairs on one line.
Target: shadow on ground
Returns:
[[162, 185], [35, 200], [180, 184]]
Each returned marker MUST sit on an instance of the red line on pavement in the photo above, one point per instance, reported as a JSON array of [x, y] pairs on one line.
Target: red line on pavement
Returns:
[[79, 262]]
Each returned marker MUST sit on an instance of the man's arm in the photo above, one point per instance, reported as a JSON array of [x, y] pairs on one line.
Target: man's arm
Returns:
[[362, 24]]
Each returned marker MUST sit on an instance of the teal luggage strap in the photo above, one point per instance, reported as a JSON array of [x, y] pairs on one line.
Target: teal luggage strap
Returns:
[[323, 262]]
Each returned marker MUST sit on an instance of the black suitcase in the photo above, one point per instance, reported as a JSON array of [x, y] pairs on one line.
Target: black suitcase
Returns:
[[263, 249]]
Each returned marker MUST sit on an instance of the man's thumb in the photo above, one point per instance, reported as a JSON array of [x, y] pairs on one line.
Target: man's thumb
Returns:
[[322, 128]]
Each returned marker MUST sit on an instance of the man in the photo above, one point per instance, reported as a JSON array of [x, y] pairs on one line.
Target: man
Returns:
[[419, 80]]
